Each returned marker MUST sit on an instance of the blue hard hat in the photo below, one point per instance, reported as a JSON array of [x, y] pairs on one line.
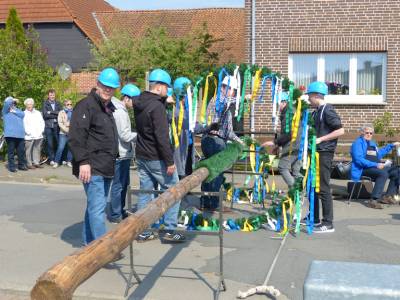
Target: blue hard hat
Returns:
[[159, 75], [109, 77], [317, 87], [130, 90], [180, 84]]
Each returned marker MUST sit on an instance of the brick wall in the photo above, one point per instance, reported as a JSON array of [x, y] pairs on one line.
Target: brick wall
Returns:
[[327, 26], [84, 81]]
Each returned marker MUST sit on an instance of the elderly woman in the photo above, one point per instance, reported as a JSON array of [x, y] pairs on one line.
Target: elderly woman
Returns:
[[64, 117], [34, 128], [367, 161], [14, 133]]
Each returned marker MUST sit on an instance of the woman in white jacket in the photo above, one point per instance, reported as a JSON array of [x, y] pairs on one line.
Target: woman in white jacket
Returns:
[[34, 127]]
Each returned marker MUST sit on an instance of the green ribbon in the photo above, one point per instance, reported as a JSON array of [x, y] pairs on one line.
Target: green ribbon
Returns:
[[289, 111], [246, 80]]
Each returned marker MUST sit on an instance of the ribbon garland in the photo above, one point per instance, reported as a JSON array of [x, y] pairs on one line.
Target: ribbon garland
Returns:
[[256, 84], [173, 129], [246, 80], [193, 110], [220, 102], [204, 101]]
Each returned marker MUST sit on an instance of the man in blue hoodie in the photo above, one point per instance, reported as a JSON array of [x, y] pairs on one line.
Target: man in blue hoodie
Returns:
[[367, 161], [14, 133]]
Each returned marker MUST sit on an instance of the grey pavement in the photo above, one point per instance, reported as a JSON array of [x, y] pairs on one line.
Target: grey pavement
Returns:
[[41, 223]]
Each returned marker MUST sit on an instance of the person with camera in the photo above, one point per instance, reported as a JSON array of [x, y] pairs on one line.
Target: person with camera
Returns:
[[14, 133]]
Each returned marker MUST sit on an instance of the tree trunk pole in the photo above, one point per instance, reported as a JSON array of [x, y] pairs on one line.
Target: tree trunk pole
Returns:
[[61, 280]]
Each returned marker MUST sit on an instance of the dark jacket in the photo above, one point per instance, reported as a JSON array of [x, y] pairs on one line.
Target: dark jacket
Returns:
[[326, 120], [152, 127], [93, 137], [49, 115], [283, 138]]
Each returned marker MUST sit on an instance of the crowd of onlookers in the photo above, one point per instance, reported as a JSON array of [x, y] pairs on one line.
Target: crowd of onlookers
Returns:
[[25, 131]]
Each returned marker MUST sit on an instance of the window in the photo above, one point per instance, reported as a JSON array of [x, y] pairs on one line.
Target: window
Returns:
[[352, 78]]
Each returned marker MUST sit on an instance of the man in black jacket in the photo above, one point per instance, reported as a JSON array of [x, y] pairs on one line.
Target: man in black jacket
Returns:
[[51, 108], [93, 140], [154, 153], [289, 166]]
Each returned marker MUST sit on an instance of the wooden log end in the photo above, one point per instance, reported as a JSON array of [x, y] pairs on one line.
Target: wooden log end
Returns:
[[48, 290]]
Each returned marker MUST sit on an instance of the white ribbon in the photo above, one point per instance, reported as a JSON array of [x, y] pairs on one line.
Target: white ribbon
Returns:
[[305, 149], [236, 74]]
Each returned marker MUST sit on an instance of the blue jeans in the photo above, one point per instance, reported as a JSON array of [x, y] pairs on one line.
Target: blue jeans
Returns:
[[118, 188], [154, 173], [380, 177], [62, 143], [51, 136], [211, 145], [96, 192]]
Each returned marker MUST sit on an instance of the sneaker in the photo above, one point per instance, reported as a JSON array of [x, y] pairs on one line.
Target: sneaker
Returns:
[[69, 164], [173, 237], [145, 236], [388, 200], [39, 166], [374, 204], [115, 221], [324, 228], [55, 165], [64, 162], [52, 163], [23, 168], [304, 222]]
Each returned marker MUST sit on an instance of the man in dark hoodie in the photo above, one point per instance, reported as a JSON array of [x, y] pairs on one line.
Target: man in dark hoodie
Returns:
[[154, 153], [93, 140], [289, 166]]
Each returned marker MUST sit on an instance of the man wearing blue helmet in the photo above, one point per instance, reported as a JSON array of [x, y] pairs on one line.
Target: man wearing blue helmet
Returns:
[[93, 141], [154, 153], [328, 128], [289, 166], [125, 139]]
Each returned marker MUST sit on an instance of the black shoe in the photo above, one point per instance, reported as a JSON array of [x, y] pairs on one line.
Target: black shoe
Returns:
[[173, 237], [12, 170], [304, 222], [23, 168], [324, 228], [115, 221]]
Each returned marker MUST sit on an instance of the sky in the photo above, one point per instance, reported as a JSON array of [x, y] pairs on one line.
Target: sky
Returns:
[[173, 4]]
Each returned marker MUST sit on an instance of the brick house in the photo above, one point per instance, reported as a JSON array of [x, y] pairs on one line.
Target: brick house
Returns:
[[351, 45]]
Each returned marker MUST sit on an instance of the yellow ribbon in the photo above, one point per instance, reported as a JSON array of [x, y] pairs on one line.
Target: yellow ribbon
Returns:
[[256, 84], [173, 127], [296, 121], [285, 221], [247, 226], [181, 114], [317, 182], [204, 100], [266, 186], [229, 193], [252, 157]]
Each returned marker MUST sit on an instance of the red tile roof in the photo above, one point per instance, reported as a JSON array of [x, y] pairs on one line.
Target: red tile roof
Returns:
[[54, 11], [226, 23]]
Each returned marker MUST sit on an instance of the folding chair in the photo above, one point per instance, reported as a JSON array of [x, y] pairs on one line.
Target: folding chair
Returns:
[[360, 184]]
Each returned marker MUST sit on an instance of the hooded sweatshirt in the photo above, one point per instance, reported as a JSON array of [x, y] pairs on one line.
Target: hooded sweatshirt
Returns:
[[152, 128], [125, 134]]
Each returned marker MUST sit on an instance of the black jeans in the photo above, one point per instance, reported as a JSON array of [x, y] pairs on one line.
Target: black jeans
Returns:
[[52, 141], [12, 145], [380, 177], [325, 164]]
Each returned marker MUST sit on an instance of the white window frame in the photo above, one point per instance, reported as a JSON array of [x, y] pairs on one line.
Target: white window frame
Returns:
[[352, 98]]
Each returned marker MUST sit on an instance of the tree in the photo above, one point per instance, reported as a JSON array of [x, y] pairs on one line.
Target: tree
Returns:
[[24, 71], [188, 56]]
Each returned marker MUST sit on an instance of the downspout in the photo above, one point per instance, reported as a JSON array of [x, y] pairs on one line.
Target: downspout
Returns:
[[253, 58]]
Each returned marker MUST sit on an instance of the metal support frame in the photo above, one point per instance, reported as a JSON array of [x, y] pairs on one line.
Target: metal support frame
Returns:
[[220, 234], [361, 184]]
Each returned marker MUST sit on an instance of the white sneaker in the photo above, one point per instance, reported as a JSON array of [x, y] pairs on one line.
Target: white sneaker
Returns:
[[64, 163], [324, 228], [69, 164], [55, 165], [52, 163]]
